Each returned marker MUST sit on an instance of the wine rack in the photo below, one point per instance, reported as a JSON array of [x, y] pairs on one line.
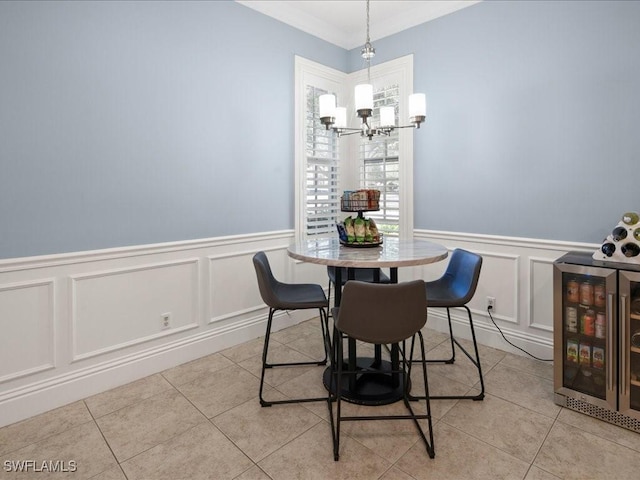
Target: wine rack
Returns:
[[623, 243]]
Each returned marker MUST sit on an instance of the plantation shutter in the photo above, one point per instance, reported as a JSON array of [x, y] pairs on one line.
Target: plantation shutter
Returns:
[[322, 199]]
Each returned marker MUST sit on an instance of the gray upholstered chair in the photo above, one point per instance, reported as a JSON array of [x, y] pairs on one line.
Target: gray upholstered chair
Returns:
[[284, 296], [380, 314], [454, 290]]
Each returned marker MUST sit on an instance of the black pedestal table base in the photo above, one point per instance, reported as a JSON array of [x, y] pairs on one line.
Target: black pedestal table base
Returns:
[[370, 388]]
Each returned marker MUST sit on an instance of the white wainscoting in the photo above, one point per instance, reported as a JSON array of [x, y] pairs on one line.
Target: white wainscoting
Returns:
[[77, 324], [74, 325], [518, 273]]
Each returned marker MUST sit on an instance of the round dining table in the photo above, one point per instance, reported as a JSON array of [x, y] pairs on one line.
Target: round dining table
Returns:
[[382, 387]]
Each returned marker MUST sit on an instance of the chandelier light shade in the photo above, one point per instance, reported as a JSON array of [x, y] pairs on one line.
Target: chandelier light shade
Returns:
[[341, 118], [335, 118], [417, 108], [327, 104], [364, 99]]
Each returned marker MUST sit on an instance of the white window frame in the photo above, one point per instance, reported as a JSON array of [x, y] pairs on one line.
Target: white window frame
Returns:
[[320, 76], [398, 71]]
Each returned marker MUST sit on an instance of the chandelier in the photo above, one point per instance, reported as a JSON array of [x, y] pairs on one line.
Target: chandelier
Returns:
[[335, 118]]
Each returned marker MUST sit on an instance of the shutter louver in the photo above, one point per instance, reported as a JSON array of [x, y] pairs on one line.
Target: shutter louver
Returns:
[[322, 200]]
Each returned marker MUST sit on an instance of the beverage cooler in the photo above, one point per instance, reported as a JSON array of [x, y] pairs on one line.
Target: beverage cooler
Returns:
[[597, 338]]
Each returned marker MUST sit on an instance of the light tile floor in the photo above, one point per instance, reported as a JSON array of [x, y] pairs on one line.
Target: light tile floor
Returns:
[[203, 420]]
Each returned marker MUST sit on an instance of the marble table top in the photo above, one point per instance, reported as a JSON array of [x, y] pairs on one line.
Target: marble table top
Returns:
[[392, 253]]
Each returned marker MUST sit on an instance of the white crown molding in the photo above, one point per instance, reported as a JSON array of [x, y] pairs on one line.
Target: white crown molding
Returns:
[[343, 23], [291, 14], [410, 14]]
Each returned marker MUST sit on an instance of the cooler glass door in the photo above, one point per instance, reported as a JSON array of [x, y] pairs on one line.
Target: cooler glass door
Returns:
[[630, 344], [584, 333]]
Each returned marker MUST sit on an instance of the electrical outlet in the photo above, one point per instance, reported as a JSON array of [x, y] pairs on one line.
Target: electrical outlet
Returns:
[[165, 320], [491, 303]]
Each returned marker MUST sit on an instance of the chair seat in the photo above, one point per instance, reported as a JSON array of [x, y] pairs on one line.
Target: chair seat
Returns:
[[361, 274], [441, 294], [299, 296]]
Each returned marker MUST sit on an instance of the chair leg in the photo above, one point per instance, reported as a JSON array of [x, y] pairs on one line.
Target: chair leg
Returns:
[[265, 349], [453, 350], [429, 444], [408, 398], [451, 340], [265, 364], [326, 342], [480, 396], [336, 376], [474, 359]]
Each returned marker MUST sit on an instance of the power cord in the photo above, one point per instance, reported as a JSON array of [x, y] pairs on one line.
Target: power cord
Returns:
[[489, 308]]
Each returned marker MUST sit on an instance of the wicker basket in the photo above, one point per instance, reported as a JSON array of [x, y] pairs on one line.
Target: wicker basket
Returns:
[[360, 201]]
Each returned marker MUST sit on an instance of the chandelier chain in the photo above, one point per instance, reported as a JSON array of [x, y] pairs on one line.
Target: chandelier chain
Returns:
[[368, 47], [368, 38]]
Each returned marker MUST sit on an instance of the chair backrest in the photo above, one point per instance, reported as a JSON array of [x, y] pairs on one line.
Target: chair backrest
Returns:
[[462, 274], [267, 283], [382, 313]]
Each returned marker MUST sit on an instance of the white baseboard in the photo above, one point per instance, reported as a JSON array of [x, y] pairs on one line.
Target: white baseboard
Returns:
[[39, 397], [487, 334]]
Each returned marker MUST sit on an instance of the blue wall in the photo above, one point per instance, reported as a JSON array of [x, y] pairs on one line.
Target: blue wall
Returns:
[[125, 123], [533, 114]]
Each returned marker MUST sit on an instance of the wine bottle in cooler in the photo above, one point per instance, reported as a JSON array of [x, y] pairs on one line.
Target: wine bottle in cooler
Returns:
[[630, 249], [630, 218], [619, 233], [608, 249]]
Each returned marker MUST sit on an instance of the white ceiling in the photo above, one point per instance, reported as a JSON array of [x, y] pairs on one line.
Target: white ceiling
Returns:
[[343, 23]]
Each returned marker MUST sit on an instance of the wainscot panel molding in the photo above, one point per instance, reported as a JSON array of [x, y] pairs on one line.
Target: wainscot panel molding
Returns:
[[229, 295], [77, 324], [518, 273], [146, 294], [27, 328]]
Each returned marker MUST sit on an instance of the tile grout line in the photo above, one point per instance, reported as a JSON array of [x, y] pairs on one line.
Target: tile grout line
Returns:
[[555, 420], [95, 422], [210, 421], [321, 420], [254, 399]]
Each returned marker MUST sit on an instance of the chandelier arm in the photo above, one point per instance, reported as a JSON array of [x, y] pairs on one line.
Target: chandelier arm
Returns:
[[382, 131], [350, 132], [347, 129]]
